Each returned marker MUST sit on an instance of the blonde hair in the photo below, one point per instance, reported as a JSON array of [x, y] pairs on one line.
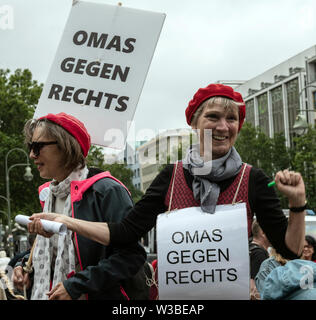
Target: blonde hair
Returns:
[[278, 257], [255, 228], [224, 101]]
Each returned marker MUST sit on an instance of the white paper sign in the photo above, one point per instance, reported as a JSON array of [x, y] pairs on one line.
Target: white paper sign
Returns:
[[100, 68], [49, 226], [203, 256]]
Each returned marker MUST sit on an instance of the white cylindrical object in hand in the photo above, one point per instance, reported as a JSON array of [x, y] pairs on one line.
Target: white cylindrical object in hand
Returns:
[[49, 226]]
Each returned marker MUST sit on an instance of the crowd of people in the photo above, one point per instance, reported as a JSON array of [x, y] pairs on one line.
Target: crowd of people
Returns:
[[100, 256]]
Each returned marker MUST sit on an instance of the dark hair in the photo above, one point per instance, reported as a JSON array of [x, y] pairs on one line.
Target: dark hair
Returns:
[[312, 242]]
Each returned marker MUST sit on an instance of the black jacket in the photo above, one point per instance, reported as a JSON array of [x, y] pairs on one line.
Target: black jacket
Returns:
[[104, 269]]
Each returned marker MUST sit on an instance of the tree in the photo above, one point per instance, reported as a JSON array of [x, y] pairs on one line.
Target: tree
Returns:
[[255, 148], [305, 162], [269, 154], [19, 95]]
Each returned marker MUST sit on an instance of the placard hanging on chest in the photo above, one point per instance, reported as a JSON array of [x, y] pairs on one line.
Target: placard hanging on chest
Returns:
[[203, 256]]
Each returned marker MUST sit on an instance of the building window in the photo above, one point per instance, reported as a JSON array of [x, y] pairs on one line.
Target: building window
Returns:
[[250, 111], [277, 110], [292, 92], [263, 113]]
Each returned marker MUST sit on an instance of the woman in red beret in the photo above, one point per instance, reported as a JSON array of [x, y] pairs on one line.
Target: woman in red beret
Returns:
[[213, 173], [69, 266]]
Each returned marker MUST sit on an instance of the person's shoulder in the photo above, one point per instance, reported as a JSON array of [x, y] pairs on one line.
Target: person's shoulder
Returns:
[[103, 182], [257, 175], [257, 171], [168, 168], [164, 174], [254, 246], [108, 182]]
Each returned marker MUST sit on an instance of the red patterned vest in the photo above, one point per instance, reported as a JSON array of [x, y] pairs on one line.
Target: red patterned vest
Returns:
[[183, 195]]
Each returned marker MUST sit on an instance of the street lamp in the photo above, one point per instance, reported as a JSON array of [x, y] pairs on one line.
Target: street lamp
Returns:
[[27, 176], [301, 124], [301, 121]]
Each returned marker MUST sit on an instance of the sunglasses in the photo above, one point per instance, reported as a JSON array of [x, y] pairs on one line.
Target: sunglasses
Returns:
[[37, 146]]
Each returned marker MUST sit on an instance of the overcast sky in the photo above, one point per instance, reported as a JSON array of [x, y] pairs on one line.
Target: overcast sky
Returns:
[[202, 41]]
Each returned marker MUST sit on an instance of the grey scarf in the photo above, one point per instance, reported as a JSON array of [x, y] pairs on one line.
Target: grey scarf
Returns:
[[208, 174]]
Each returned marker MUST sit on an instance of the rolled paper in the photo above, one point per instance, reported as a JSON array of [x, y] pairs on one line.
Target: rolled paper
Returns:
[[49, 226]]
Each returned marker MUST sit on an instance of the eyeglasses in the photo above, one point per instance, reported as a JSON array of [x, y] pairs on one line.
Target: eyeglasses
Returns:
[[37, 146]]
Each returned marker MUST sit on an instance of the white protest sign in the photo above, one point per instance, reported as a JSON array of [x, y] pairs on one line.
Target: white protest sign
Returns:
[[203, 256], [100, 68]]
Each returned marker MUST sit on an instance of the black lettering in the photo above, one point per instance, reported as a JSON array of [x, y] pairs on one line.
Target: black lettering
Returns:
[[220, 273], [205, 275], [181, 235], [92, 70], [122, 74], [80, 66], [221, 253], [109, 100], [234, 275], [121, 102], [54, 91], [95, 41], [67, 93], [174, 259], [205, 236], [68, 64], [79, 34], [183, 276], [217, 232], [170, 275], [201, 257], [209, 255], [183, 256], [115, 43], [128, 43], [107, 68], [195, 237], [195, 271], [91, 97], [76, 95]]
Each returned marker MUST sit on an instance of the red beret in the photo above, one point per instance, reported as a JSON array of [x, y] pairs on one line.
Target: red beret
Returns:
[[75, 127], [213, 90]]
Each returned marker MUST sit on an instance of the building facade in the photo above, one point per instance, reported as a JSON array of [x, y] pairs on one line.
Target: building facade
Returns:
[[159, 151], [275, 98], [131, 159]]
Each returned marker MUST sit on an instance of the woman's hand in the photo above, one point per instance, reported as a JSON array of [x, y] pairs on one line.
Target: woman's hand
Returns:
[[59, 293], [35, 226], [57, 217], [20, 278], [291, 184]]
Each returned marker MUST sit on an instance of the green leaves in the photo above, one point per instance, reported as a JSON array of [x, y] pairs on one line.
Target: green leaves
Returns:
[[272, 155], [19, 95], [304, 161]]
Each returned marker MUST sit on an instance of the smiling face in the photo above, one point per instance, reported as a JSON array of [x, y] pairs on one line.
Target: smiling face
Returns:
[[308, 251], [223, 120], [50, 161]]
